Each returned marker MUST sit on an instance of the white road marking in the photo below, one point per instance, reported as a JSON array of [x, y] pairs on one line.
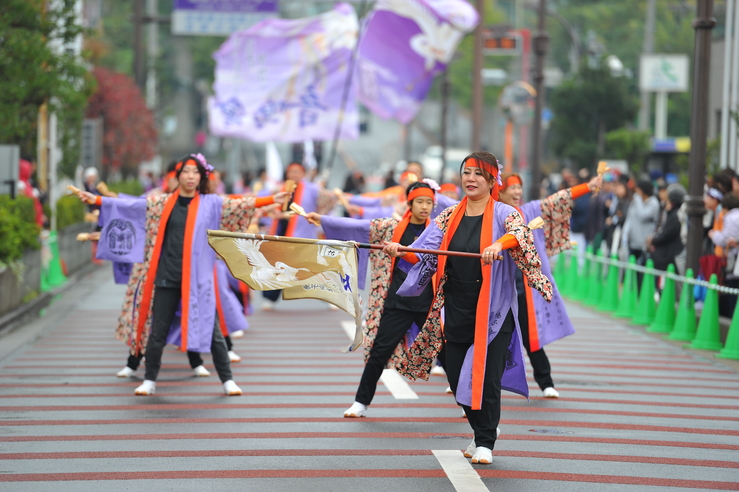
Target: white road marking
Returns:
[[394, 382], [464, 478]]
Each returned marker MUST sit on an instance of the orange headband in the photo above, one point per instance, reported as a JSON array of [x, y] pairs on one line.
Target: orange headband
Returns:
[[488, 168], [512, 180], [448, 187], [421, 191]]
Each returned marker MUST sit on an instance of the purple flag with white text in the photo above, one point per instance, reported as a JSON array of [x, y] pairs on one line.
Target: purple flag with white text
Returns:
[[283, 80], [405, 44]]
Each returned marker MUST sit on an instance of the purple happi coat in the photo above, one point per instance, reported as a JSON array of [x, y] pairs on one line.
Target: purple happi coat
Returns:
[[420, 356], [214, 212], [231, 309], [552, 321]]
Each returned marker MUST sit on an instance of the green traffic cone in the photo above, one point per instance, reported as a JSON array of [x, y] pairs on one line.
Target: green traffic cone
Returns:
[[708, 336], [645, 309], [595, 290], [571, 275], [664, 319], [559, 269], [609, 299], [684, 329], [627, 304], [731, 349], [52, 276], [581, 288]]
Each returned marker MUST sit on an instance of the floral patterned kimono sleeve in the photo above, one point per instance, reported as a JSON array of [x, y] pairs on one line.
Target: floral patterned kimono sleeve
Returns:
[[556, 211], [526, 257], [236, 213]]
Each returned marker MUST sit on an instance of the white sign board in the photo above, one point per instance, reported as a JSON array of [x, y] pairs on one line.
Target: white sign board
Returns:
[[9, 165], [664, 73], [219, 17]]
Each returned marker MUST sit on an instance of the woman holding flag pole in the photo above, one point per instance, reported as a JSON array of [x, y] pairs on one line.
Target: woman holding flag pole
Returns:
[[480, 329], [389, 317], [542, 322], [177, 270]]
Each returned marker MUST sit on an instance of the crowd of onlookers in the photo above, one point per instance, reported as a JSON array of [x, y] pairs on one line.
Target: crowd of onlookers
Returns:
[[645, 217]]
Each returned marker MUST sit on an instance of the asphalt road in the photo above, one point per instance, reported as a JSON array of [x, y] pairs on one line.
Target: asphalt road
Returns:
[[636, 413]]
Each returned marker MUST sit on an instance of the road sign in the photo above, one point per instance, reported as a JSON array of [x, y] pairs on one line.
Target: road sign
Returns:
[[502, 43], [664, 73], [219, 17]]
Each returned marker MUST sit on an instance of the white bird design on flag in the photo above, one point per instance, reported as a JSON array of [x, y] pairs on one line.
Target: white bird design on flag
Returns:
[[270, 277]]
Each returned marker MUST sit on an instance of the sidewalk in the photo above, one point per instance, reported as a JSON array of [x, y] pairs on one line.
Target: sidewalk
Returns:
[[635, 412]]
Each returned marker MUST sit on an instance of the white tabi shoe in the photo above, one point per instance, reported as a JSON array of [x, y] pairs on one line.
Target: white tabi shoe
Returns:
[[268, 305], [237, 334], [201, 372], [438, 371], [233, 356], [230, 388], [448, 390], [470, 451], [356, 411], [147, 388], [483, 456], [126, 372], [551, 393]]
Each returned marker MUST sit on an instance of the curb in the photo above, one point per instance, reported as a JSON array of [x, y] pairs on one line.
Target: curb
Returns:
[[32, 309]]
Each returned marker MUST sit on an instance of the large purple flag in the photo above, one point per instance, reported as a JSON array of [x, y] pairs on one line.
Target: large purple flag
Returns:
[[123, 235], [405, 44], [284, 80]]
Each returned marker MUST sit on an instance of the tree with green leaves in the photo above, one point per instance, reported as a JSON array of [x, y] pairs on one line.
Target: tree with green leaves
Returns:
[[34, 73], [585, 109]]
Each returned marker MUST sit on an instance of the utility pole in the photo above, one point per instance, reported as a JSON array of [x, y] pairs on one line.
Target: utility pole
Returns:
[[647, 47], [703, 24], [444, 117], [152, 50], [139, 69], [477, 99], [541, 45]]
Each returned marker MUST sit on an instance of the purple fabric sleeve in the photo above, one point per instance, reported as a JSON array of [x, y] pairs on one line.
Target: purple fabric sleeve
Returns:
[[420, 274], [443, 202], [346, 229], [363, 201], [377, 212]]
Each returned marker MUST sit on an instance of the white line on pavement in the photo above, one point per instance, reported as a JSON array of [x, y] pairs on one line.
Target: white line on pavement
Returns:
[[394, 382], [464, 478]]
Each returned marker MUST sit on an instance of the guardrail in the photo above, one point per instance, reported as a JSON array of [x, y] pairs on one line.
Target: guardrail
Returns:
[[599, 284]]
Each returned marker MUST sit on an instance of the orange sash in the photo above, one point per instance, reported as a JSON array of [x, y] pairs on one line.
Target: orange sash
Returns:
[[482, 316]]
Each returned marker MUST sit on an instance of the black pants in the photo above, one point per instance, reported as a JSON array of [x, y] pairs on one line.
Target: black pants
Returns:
[[539, 359], [484, 422], [272, 295], [393, 326], [194, 357], [166, 302]]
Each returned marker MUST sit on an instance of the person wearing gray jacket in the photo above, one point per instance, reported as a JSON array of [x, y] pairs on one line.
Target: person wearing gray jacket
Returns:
[[641, 220]]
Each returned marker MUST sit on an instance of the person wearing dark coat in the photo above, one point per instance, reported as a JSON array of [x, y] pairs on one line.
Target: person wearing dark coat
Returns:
[[665, 243]]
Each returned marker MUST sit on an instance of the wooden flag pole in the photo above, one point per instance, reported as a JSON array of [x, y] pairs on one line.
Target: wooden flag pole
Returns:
[[536, 223]]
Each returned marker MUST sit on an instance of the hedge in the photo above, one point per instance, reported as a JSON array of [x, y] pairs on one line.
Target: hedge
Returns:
[[131, 187], [69, 210], [18, 228]]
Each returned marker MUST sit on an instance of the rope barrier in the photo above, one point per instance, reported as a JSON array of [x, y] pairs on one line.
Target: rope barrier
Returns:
[[653, 271]]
